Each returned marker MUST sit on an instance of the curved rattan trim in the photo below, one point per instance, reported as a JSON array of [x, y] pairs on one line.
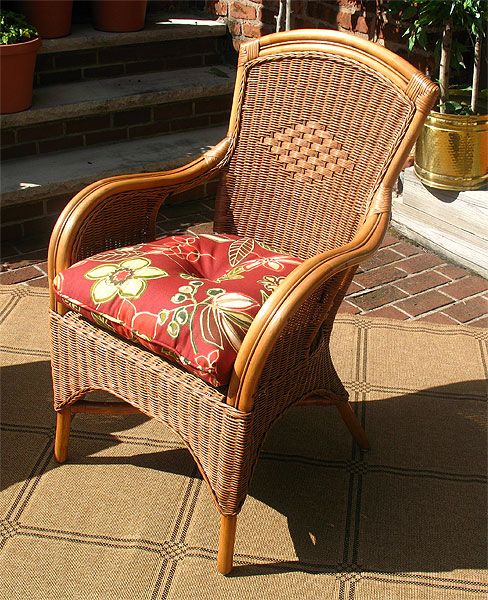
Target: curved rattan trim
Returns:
[[285, 301], [321, 38]]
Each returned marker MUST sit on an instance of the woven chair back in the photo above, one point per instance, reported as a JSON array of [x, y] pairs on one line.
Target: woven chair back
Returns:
[[314, 132]]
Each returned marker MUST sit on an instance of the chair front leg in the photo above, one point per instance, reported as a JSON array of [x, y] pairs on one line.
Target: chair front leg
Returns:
[[61, 440], [226, 543]]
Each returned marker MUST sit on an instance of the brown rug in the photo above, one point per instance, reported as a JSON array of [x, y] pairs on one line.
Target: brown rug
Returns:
[[128, 518]]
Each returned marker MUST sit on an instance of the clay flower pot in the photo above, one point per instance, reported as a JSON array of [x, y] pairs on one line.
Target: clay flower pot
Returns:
[[51, 18], [17, 63], [120, 15]]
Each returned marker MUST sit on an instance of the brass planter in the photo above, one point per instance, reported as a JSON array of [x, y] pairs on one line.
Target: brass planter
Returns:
[[452, 152]]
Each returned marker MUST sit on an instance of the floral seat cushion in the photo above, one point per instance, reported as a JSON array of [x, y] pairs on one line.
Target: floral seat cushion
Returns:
[[188, 298]]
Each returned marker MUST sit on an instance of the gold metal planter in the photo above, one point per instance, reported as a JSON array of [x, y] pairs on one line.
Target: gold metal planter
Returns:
[[452, 152]]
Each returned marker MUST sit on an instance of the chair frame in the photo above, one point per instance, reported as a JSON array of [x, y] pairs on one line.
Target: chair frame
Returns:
[[73, 239]]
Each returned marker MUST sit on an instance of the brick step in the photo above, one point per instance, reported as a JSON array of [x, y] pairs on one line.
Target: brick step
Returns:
[[36, 189], [167, 42], [96, 112]]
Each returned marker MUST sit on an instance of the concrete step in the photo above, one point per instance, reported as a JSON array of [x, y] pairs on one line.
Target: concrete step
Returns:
[[36, 189], [94, 112], [168, 41]]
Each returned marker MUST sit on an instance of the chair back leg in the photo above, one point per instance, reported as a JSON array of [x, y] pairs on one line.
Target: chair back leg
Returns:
[[353, 424]]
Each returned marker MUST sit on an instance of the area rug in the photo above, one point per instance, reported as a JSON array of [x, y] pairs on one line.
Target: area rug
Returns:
[[129, 518]]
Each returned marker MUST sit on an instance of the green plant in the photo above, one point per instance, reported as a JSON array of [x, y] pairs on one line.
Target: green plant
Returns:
[[449, 24], [14, 28]]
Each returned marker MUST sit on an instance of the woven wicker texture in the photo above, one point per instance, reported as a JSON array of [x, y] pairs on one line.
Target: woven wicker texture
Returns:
[[192, 408], [132, 218], [353, 110]]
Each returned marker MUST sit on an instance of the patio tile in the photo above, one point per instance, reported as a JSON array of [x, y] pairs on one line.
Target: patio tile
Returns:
[[354, 287], [388, 240], [377, 277], [468, 286], [27, 258], [407, 249], [421, 282], [347, 307], [422, 303], [421, 262], [42, 282], [480, 322], [452, 271], [388, 312], [378, 297], [384, 256], [440, 318], [468, 310], [19, 275]]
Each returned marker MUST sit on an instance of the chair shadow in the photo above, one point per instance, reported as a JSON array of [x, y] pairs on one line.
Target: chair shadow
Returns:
[[418, 496]]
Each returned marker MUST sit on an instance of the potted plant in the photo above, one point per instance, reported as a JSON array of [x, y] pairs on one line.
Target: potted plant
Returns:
[[18, 48], [51, 18], [123, 15], [451, 152]]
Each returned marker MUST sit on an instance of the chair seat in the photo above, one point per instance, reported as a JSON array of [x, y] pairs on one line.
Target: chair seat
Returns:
[[189, 298]]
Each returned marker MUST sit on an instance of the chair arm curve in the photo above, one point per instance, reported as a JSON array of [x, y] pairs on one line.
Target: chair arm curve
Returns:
[[286, 300], [135, 197]]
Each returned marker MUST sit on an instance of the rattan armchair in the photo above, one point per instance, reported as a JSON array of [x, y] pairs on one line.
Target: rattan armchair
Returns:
[[321, 125]]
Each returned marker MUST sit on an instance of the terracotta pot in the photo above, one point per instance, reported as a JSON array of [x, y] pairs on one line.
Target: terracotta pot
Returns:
[[119, 15], [17, 63], [51, 18]]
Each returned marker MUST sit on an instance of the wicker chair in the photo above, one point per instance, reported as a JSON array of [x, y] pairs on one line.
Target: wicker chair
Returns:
[[321, 125]]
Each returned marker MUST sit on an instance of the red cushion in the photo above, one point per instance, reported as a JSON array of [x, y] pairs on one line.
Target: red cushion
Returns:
[[189, 298]]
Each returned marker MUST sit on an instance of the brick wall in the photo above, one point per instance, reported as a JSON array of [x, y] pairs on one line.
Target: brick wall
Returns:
[[248, 19]]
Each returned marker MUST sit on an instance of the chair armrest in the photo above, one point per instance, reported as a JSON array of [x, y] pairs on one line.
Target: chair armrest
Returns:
[[119, 211], [286, 300]]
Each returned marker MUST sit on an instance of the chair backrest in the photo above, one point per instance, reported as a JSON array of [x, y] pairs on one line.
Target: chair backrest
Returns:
[[318, 117]]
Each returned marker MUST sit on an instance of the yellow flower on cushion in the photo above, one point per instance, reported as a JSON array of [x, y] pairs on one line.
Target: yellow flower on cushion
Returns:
[[126, 279]]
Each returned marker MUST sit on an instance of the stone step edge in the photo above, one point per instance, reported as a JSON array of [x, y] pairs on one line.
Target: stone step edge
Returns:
[[173, 86], [160, 27], [85, 165]]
